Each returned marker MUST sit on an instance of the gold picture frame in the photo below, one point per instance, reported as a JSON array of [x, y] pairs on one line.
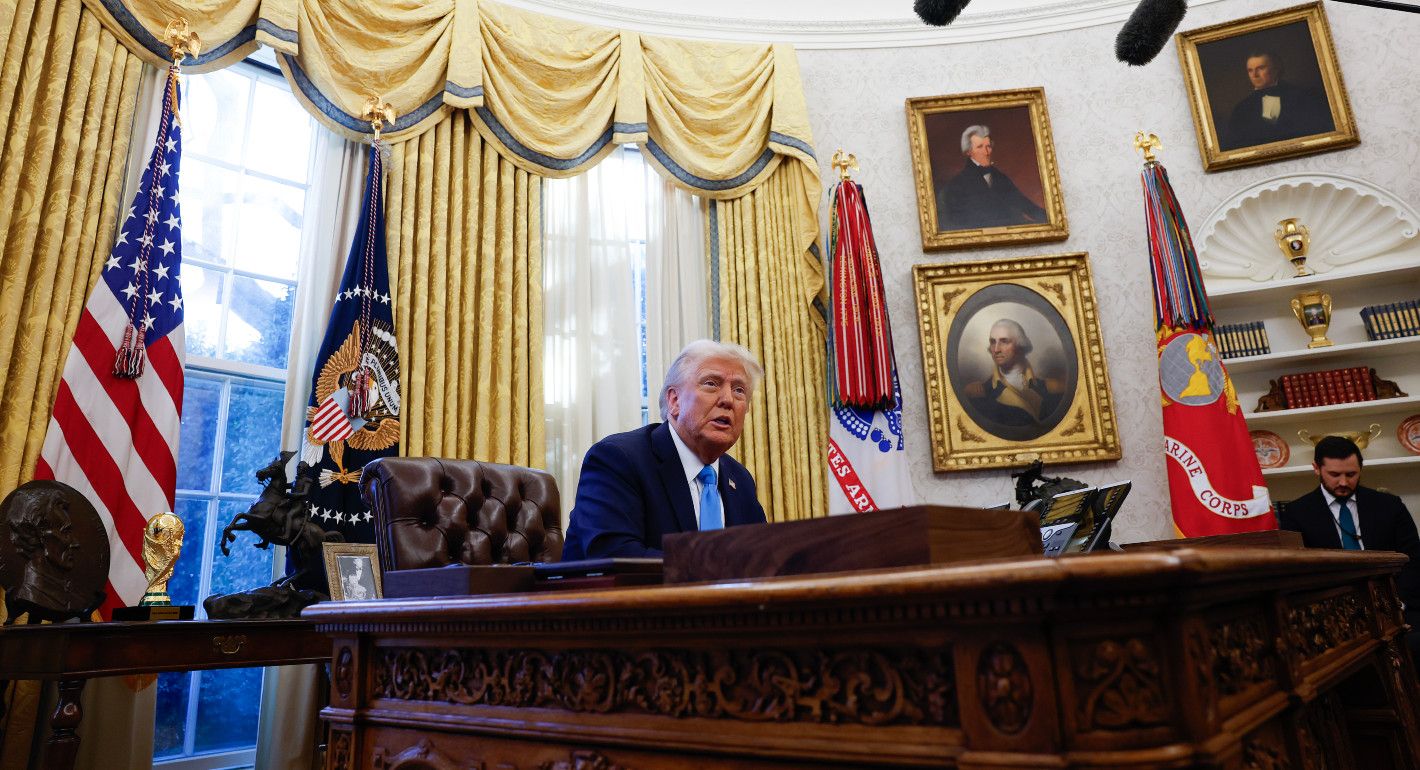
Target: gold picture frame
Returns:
[[1232, 70], [1060, 408], [349, 566], [959, 206]]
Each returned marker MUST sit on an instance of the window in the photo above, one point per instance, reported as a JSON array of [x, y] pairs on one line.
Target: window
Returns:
[[248, 150]]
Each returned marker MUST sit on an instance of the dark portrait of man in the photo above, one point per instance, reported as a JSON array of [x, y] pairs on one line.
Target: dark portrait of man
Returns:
[[1013, 394], [42, 535], [981, 195], [1275, 109]]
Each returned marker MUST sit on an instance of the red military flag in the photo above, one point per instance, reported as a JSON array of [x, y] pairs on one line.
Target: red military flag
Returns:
[[1215, 483], [113, 434], [867, 456]]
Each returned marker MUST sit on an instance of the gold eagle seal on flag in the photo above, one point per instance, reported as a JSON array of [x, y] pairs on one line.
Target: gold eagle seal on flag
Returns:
[[330, 424]]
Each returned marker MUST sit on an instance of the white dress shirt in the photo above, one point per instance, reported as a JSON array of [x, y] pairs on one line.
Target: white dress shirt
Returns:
[[1333, 503], [692, 466]]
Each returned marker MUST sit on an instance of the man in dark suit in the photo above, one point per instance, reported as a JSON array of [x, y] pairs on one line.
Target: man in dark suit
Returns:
[[675, 476], [1343, 514], [981, 195], [1276, 109]]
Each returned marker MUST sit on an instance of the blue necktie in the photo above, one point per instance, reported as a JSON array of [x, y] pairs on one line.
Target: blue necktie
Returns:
[[712, 513], [1348, 527]]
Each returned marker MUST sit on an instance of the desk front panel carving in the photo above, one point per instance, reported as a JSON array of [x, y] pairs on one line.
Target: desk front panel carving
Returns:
[[1222, 658]]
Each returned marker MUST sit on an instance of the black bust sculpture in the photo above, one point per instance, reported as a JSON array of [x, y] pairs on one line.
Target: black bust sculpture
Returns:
[[54, 554]]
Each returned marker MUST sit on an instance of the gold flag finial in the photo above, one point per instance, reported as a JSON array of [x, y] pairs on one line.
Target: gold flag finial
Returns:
[[183, 41], [378, 113], [843, 162], [1148, 143]]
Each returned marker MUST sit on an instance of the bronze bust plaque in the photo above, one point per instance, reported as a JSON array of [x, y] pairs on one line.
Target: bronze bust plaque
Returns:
[[54, 553]]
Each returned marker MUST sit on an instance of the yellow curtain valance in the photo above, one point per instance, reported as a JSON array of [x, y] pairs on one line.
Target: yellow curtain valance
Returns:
[[552, 95]]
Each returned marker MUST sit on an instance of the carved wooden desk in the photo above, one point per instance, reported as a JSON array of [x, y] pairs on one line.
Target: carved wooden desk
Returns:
[[1208, 658], [74, 653]]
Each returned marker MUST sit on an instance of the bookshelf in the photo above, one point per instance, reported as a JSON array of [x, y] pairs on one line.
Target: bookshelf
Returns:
[[1365, 251]]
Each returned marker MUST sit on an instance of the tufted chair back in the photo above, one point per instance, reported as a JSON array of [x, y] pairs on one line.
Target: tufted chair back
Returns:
[[430, 512]]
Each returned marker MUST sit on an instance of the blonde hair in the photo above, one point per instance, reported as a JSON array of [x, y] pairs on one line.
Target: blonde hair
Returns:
[[699, 350]]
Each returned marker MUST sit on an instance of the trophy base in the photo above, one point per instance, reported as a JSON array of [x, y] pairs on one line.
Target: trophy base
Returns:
[[143, 613], [1321, 343]]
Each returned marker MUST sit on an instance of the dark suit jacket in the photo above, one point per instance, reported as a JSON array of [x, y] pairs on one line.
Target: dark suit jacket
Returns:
[[1385, 526], [633, 491], [1304, 112], [966, 202]]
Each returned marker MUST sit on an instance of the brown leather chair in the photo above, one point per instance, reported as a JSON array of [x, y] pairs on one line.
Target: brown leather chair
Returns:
[[431, 512]]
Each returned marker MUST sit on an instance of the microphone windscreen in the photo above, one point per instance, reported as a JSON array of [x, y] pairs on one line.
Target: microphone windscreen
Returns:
[[939, 13], [1148, 30]]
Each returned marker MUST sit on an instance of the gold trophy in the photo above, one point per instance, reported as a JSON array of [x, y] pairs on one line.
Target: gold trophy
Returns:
[[1360, 437], [162, 543], [1294, 239], [1313, 311]]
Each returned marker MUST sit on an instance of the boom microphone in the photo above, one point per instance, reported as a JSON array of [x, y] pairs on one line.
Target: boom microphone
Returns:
[[1148, 30], [939, 13]]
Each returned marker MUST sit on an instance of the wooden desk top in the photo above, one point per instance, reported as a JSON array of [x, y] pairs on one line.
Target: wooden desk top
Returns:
[[1087, 580], [81, 650]]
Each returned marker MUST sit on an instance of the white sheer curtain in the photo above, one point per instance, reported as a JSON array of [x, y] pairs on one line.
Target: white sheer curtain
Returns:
[[677, 292], [291, 696], [619, 245]]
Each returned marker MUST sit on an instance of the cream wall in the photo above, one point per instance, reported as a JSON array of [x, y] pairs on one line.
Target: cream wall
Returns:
[[1096, 104]]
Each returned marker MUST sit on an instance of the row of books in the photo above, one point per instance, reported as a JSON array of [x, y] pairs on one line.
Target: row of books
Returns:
[[1396, 319], [1336, 386], [1245, 339]]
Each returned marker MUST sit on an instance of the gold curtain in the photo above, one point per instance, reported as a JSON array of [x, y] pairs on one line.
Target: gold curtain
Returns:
[[67, 90], [464, 234], [769, 282]]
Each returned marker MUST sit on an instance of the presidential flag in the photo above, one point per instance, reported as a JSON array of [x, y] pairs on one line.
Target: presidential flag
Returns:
[[867, 456], [353, 414], [113, 434], [1215, 482]]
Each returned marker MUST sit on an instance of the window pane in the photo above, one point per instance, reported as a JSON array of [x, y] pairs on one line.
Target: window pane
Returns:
[[225, 721], [259, 322], [186, 583], [280, 134], [211, 199], [270, 236], [208, 127], [253, 433], [201, 399], [170, 721], [248, 567], [202, 311]]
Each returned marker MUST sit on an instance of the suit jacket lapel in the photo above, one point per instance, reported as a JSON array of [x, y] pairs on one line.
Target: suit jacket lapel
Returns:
[[1323, 524], [1368, 518], [728, 494], [673, 478]]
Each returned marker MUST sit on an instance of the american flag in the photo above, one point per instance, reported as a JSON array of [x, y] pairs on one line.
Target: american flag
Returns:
[[114, 436]]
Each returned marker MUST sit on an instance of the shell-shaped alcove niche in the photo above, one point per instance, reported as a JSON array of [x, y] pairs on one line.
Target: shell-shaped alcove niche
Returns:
[[1355, 226]]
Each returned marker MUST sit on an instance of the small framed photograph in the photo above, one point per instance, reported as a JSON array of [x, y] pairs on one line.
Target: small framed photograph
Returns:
[[1266, 88], [353, 571], [1014, 363], [985, 172]]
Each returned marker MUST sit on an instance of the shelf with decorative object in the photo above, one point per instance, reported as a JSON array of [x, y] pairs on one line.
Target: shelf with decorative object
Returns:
[[1303, 255], [1307, 357], [1380, 464]]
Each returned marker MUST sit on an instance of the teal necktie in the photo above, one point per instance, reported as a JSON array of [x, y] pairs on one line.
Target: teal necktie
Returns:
[[1348, 527], [712, 513]]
